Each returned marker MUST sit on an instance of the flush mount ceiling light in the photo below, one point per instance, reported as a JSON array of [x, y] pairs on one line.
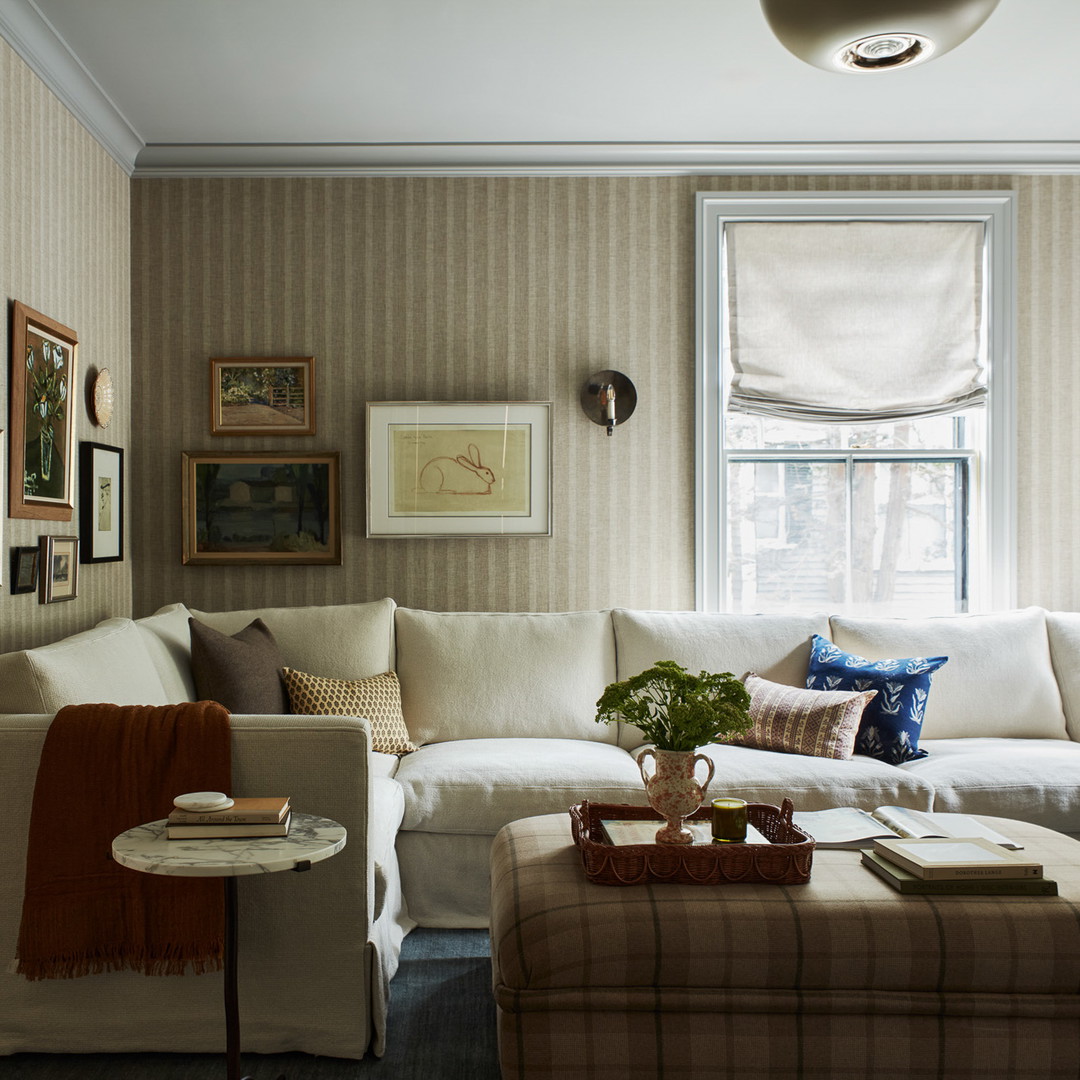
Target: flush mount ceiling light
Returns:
[[873, 35]]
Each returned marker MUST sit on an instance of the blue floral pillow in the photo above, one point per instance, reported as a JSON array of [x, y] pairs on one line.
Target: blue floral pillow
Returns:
[[891, 724]]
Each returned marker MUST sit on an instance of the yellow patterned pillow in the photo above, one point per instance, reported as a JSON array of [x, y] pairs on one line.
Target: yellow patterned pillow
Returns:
[[377, 698]]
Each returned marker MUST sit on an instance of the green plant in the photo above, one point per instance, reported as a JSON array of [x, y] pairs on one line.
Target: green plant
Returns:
[[676, 710]]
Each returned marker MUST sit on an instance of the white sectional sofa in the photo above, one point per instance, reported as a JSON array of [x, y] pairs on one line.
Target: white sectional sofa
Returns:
[[502, 707]]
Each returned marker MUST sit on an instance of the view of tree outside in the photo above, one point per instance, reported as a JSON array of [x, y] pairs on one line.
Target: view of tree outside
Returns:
[[821, 518]]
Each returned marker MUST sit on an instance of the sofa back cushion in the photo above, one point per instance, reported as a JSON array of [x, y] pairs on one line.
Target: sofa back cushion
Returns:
[[1063, 628], [168, 640], [999, 680], [338, 641], [476, 675], [109, 663]]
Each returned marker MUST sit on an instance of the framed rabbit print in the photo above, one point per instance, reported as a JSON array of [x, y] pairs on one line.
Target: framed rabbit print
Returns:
[[459, 468]]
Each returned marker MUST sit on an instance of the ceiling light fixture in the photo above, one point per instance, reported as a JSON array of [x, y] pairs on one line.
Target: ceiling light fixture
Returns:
[[873, 35]]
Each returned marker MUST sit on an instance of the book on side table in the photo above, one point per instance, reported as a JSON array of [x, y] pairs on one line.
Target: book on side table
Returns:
[[904, 882], [244, 818], [850, 827]]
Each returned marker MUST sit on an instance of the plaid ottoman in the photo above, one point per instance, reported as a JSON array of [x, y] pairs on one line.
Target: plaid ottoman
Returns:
[[839, 979]]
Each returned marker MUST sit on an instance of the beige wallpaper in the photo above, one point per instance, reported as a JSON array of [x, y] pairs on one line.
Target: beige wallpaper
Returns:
[[508, 289], [64, 251]]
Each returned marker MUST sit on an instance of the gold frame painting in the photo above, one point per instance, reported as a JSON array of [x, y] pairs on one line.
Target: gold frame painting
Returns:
[[267, 396], [261, 508], [43, 390], [459, 468]]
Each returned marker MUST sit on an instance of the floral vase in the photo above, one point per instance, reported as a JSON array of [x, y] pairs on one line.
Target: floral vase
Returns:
[[674, 791], [46, 451]]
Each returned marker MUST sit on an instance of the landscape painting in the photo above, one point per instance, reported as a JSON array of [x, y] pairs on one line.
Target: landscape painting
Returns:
[[271, 396], [261, 508]]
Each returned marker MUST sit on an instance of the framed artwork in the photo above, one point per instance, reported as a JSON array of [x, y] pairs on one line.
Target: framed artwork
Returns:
[[24, 569], [270, 396], [459, 468], [261, 508], [101, 503], [42, 388], [59, 568]]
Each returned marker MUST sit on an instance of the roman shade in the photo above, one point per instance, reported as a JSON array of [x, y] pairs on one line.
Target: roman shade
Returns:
[[848, 321]]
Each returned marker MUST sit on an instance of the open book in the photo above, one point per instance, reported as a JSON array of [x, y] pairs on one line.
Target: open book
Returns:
[[850, 827]]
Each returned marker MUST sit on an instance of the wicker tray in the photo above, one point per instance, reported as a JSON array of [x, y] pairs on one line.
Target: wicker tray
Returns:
[[784, 861]]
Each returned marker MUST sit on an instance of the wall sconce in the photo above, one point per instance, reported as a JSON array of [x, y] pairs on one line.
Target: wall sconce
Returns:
[[608, 398]]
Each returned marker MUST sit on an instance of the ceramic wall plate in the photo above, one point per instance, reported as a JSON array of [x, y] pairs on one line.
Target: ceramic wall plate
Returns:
[[104, 398]]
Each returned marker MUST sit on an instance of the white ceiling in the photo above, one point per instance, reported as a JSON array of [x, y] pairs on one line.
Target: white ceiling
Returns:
[[536, 85]]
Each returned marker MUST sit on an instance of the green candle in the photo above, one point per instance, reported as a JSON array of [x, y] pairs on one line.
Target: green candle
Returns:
[[729, 821]]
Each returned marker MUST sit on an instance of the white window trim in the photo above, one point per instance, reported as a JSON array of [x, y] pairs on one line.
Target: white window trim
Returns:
[[993, 534]]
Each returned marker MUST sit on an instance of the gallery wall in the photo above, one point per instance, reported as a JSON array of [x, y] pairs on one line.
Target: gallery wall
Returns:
[[512, 289], [64, 251]]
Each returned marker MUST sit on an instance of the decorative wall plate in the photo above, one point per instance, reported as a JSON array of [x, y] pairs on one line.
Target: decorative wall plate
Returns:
[[104, 397]]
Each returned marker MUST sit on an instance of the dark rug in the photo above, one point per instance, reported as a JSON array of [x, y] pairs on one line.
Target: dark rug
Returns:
[[441, 1027]]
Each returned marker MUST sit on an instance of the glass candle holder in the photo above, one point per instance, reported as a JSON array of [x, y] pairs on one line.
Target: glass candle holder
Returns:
[[729, 821]]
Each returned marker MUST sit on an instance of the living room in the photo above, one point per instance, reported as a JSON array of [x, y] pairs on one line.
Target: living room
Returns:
[[429, 278]]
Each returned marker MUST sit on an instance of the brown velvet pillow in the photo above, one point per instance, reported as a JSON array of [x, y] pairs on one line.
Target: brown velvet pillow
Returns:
[[242, 672]]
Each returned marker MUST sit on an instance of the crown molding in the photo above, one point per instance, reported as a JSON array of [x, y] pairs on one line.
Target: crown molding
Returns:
[[603, 159], [36, 41]]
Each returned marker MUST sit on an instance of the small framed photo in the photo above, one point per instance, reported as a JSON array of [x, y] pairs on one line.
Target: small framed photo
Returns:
[[271, 396], [59, 573], [459, 468], [24, 569], [44, 392], [264, 508], [101, 503]]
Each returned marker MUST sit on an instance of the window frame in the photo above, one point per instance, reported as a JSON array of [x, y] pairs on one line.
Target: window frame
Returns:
[[992, 518]]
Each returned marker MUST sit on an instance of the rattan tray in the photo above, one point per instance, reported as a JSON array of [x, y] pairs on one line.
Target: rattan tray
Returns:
[[784, 861]]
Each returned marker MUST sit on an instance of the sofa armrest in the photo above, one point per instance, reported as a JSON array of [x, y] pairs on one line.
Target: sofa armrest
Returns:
[[307, 932]]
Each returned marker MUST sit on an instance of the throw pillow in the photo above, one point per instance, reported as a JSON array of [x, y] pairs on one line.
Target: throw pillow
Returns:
[[892, 722], [242, 672], [377, 698], [817, 723]]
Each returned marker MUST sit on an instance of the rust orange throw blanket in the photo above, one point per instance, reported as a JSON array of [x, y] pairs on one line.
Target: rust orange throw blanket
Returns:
[[105, 769]]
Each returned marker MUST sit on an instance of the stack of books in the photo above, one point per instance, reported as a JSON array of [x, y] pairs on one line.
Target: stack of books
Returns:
[[244, 818], [972, 866]]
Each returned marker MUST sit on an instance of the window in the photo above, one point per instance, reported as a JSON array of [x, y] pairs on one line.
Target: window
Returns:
[[854, 441]]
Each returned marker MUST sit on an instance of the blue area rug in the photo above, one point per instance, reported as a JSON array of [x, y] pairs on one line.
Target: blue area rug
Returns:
[[441, 1027]]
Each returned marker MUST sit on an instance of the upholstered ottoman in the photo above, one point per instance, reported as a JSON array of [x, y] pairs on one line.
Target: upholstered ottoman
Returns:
[[838, 979]]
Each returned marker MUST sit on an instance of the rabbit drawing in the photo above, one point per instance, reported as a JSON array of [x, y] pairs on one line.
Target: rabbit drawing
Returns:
[[457, 476]]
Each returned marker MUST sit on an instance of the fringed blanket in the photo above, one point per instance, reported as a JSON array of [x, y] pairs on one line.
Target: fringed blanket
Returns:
[[103, 770]]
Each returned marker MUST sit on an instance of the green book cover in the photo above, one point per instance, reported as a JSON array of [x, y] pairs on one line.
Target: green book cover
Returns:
[[904, 882]]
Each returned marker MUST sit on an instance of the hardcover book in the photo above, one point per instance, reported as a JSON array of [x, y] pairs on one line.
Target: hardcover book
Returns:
[[229, 832], [242, 811], [971, 858], [904, 882]]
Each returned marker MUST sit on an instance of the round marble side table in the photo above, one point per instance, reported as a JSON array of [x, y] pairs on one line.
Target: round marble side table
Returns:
[[311, 839]]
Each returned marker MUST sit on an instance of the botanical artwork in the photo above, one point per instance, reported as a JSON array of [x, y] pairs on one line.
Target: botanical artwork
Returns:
[[262, 397], [461, 470], [101, 502], [261, 508], [105, 504]]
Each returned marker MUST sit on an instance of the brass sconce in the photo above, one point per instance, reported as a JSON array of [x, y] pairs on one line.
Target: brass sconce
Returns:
[[608, 398]]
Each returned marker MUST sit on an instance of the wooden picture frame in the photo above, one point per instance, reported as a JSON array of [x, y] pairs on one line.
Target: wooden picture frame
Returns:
[[459, 468], [58, 572], [43, 390], [24, 569], [261, 508], [267, 396], [101, 503]]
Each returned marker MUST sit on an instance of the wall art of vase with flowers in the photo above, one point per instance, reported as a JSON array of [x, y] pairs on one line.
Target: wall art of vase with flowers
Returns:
[[677, 713], [46, 400]]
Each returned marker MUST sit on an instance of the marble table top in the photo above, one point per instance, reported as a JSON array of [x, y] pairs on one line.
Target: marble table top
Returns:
[[146, 848]]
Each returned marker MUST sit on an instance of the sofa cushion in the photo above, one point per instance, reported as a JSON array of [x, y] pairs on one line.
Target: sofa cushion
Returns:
[[378, 699], [167, 638], [476, 675], [776, 647], [892, 722], [109, 663], [478, 785], [1031, 779], [817, 723], [813, 783], [1063, 628], [342, 641], [241, 670], [999, 681]]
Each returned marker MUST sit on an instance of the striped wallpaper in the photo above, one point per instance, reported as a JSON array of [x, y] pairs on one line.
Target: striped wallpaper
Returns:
[[64, 251]]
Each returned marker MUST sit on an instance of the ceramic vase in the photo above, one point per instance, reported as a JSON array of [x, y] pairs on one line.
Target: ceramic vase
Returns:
[[674, 791]]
